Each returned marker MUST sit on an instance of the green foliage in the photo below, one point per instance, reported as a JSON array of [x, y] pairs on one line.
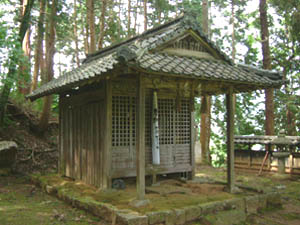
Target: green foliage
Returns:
[[11, 53]]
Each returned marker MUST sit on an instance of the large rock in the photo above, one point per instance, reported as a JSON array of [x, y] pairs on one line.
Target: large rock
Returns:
[[8, 152]]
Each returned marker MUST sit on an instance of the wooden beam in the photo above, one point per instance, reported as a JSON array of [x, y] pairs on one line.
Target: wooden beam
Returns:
[[107, 137], [230, 141], [140, 138], [188, 53]]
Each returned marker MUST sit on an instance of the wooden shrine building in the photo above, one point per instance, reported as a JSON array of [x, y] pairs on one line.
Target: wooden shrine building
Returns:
[[131, 105]]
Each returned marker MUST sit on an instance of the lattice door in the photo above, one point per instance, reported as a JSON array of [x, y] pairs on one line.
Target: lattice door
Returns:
[[123, 131], [174, 135]]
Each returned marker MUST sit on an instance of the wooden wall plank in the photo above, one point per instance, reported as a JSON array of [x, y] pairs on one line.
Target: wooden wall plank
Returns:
[[71, 127], [100, 143], [76, 143], [81, 136], [107, 140], [67, 141]]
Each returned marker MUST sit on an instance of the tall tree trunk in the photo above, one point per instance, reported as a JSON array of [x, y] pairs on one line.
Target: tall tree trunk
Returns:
[[290, 115], [76, 34], [129, 19], [205, 103], [39, 45], [85, 30], [145, 15], [233, 52], [119, 20], [158, 11], [8, 83], [135, 17], [50, 50], [24, 70], [205, 113], [205, 26], [91, 22], [102, 24], [269, 93]]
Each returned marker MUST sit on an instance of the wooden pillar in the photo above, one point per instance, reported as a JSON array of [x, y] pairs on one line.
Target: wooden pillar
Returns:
[[193, 141], [107, 137], [193, 128], [140, 138], [61, 164], [230, 141]]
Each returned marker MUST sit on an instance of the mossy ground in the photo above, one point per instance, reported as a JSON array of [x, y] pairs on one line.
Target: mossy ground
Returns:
[[287, 214], [122, 198], [21, 203]]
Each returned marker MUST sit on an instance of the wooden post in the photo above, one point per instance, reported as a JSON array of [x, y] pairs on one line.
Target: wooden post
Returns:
[[140, 138], [230, 141], [107, 136], [193, 138], [61, 169], [193, 130]]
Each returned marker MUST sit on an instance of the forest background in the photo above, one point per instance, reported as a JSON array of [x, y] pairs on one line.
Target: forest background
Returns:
[[42, 39]]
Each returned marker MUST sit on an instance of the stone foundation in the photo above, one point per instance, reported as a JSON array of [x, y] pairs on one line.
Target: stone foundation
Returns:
[[236, 209]]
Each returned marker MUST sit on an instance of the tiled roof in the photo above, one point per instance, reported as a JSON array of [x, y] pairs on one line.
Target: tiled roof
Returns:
[[138, 51], [202, 68], [266, 139], [75, 77]]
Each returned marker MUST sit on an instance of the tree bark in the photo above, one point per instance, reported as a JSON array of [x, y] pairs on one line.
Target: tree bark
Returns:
[[290, 115], [233, 52], [76, 34], [91, 23], [135, 16], [24, 70], [145, 15], [205, 103], [85, 30], [39, 45], [50, 51], [102, 24], [205, 16], [129, 19], [8, 83], [269, 93], [205, 129]]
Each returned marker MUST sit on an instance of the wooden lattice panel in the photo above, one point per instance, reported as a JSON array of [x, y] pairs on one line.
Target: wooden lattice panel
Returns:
[[166, 121], [183, 123], [174, 126], [123, 120], [148, 116]]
